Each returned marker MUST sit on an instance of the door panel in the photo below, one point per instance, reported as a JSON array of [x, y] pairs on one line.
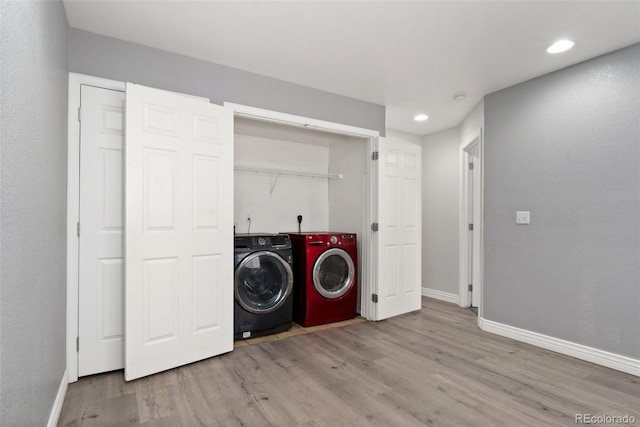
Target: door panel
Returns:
[[100, 286], [204, 295], [400, 230], [179, 230]]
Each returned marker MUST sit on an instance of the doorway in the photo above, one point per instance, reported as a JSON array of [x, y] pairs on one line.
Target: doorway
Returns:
[[471, 222]]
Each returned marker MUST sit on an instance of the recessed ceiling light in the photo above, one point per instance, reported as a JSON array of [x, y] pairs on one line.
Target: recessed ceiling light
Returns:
[[459, 96], [420, 117], [560, 46]]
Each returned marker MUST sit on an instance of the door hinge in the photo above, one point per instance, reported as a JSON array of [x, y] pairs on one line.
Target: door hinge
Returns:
[[78, 344], [470, 166], [470, 227], [79, 114], [78, 229], [374, 298], [470, 288], [375, 155], [374, 226]]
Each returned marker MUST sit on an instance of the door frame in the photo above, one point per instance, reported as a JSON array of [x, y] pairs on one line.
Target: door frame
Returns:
[[464, 300], [73, 208], [369, 239]]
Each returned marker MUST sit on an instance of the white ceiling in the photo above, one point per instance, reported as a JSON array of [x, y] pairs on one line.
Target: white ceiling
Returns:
[[410, 56]]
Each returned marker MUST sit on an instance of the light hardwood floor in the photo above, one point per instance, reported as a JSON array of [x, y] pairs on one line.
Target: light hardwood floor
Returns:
[[431, 367]]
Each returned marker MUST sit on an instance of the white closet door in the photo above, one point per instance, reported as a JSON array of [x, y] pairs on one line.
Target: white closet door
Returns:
[[100, 292], [179, 230], [400, 228]]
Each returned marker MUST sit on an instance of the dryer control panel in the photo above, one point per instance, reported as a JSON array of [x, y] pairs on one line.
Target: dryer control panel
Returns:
[[326, 239]]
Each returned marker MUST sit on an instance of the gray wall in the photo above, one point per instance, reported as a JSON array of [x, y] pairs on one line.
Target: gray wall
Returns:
[[34, 58], [566, 146], [124, 61], [440, 210], [441, 202]]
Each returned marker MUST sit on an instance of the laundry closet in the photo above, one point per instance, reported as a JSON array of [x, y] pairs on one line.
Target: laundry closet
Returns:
[[309, 184], [162, 181], [281, 172]]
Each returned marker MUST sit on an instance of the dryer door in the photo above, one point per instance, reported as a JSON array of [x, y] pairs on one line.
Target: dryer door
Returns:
[[333, 273], [263, 281]]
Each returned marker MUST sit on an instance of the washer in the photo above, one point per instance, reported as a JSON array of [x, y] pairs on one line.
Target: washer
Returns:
[[263, 285], [325, 277]]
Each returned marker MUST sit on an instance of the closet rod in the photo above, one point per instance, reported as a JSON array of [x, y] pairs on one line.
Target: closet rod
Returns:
[[287, 172]]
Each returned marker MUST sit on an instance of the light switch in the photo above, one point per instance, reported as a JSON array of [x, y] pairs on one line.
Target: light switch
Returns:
[[523, 217]]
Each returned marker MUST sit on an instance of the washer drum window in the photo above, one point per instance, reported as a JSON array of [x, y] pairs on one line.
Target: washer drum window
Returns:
[[333, 273], [263, 281]]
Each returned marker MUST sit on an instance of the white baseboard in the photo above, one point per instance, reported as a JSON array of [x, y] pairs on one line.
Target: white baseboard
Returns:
[[57, 404], [443, 296], [579, 351]]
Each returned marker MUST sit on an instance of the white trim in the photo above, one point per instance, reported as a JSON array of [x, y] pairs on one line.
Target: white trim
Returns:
[[440, 295], [54, 415], [463, 273], [73, 204], [299, 121], [579, 351], [367, 237]]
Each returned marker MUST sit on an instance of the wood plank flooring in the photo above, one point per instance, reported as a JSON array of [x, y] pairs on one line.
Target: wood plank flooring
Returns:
[[430, 367]]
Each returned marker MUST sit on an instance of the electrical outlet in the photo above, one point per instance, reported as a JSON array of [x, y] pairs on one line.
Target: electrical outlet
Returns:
[[523, 217]]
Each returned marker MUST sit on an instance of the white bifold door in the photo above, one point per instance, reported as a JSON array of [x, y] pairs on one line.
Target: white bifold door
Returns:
[[178, 230], [399, 236], [100, 266]]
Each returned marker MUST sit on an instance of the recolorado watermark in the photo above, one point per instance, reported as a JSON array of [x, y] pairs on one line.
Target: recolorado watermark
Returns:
[[604, 419]]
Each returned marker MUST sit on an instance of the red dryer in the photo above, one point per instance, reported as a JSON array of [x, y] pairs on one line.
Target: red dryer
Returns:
[[325, 277]]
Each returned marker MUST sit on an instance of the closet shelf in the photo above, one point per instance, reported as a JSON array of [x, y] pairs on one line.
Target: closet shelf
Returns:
[[289, 172]]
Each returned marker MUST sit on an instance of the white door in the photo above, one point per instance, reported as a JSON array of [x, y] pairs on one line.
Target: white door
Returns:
[[399, 237], [475, 186], [100, 287], [179, 230]]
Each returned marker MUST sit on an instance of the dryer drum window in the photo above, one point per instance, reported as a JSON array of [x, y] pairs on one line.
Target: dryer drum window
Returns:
[[263, 281], [333, 273]]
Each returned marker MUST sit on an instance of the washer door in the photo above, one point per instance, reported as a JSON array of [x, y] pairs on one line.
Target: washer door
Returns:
[[263, 281], [333, 273]]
